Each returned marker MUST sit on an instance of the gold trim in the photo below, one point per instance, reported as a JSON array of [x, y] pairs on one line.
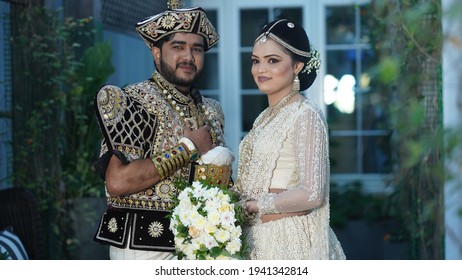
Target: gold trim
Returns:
[[216, 174], [174, 4], [112, 225], [155, 229]]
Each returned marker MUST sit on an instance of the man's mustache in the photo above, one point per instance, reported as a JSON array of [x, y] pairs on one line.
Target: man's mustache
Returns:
[[187, 64]]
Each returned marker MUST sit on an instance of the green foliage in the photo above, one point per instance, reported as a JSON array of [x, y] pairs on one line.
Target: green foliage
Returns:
[[56, 135], [351, 202], [408, 38], [4, 256], [81, 130], [388, 70]]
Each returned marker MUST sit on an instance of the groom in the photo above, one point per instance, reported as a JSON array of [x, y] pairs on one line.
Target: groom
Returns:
[[148, 141]]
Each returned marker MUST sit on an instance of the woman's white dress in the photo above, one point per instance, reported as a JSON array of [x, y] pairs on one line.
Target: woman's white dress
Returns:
[[289, 150]]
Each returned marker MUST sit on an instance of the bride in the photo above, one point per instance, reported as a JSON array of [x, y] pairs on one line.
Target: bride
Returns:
[[283, 172]]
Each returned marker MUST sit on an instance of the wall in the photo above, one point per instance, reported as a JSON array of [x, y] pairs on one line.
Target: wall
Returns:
[[452, 118], [5, 100]]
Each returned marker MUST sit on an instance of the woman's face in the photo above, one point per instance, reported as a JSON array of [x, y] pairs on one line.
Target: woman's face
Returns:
[[272, 68]]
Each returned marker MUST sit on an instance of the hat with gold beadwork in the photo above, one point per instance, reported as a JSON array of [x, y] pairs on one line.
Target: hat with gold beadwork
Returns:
[[173, 20]]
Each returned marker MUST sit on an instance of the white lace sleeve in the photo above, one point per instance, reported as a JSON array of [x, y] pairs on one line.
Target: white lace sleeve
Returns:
[[310, 141]]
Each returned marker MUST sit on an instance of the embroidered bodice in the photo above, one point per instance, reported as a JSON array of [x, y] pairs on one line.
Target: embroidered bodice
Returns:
[[296, 135]]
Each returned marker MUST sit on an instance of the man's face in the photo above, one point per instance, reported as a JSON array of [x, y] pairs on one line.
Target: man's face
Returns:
[[181, 59]]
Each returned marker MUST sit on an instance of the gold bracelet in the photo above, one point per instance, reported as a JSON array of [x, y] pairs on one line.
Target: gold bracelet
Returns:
[[157, 164], [170, 161], [178, 159], [168, 166], [184, 155], [190, 147]]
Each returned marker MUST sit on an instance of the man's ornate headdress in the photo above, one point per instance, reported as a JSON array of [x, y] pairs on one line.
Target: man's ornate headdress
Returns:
[[175, 19]]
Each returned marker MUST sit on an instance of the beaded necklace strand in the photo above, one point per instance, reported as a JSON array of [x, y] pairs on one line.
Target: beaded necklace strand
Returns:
[[273, 110], [196, 117]]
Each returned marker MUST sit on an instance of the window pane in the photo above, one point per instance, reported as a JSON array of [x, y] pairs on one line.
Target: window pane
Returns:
[[209, 78], [365, 28], [251, 23], [368, 64], [341, 62], [340, 25], [212, 16], [340, 89], [339, 120], [252, 106], [374, 112], [246, 75], [343, 155], [376, 154]]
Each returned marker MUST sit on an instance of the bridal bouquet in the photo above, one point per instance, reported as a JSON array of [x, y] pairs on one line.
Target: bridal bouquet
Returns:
[[206, 222]]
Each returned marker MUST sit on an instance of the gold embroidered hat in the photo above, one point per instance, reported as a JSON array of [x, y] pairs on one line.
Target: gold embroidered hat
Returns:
[[173, 20]]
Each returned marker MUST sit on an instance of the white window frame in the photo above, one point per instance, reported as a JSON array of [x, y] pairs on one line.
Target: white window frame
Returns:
[[371, 182], [228, 12]]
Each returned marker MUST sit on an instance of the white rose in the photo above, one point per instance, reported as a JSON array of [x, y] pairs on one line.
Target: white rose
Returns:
[[222, 236]]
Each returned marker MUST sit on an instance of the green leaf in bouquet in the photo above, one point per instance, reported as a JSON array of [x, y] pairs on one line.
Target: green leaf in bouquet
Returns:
[[215, 252], [182, 231]]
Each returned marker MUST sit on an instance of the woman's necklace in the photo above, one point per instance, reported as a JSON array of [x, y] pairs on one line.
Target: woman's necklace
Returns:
[[273, 110]]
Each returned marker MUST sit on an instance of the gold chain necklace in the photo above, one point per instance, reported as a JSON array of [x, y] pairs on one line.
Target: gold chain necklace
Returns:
[[273, 110], [189, 112]]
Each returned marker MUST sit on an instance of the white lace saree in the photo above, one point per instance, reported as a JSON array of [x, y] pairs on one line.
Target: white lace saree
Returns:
[[289, 150]]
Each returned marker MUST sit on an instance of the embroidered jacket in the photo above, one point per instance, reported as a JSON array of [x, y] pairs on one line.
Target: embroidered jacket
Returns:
[[141, 121]]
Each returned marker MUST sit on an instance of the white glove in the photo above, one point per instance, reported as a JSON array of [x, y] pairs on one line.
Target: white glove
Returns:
[[220, 156]]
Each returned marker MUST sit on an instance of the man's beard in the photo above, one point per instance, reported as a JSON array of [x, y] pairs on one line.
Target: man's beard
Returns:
[[169, 74]]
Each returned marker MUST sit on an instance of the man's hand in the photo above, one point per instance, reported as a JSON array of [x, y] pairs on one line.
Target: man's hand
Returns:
[[200, 137]]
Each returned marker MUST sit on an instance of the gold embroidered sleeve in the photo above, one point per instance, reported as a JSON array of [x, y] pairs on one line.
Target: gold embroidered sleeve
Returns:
[[124, 122]]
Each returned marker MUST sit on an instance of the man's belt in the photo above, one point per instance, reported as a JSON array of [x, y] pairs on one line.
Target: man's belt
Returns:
[[148, 229]]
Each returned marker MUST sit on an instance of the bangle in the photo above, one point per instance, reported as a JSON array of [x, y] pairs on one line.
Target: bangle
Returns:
[[190, 147], [158, 165], [250, 218], [266, 204], [178, 161], [170, 161]]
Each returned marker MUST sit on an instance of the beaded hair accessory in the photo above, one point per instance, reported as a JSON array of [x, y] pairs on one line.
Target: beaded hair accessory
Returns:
[[314, 63]]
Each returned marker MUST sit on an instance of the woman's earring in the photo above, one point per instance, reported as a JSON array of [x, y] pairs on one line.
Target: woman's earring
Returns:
[[296, 84]]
